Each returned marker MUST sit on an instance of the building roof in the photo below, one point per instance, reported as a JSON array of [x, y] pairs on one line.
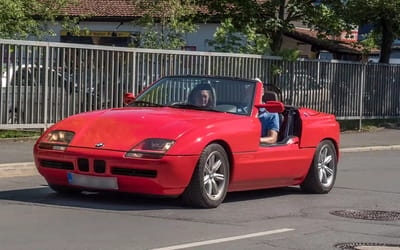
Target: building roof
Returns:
[[103, 9], [333, 44]]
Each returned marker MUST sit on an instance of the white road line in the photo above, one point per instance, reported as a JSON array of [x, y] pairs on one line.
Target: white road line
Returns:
[[240, 237]]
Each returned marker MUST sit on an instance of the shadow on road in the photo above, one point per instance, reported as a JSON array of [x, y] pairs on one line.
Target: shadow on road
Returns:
[[114, 201]]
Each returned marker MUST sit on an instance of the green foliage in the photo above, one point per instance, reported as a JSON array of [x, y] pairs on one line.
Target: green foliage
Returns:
[[165, 23], [383, 15], [21, 18], [18, 133], [370, 42], [228, 39], [274, 18], [290, 55]]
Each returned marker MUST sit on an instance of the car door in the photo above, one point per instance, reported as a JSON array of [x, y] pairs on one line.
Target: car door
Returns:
[[273, 165]]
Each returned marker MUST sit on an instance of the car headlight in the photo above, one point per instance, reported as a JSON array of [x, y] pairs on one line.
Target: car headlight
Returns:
[[150, 148], [57, 140]]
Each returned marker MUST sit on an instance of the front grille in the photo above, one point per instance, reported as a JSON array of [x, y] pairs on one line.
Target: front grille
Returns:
[[57, 164], [134, 172], [99, 166], [83, 165]]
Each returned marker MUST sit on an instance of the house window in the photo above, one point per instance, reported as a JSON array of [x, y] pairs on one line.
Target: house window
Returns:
[[110, 38]]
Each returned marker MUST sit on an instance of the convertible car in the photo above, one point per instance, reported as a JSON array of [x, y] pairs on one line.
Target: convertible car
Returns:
[[165, 143]]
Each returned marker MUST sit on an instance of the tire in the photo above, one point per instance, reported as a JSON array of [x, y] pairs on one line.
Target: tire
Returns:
[[64, 190], [322, 173], [208, 186]]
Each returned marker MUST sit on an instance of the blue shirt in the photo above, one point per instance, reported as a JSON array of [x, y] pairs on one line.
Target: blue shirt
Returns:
[[269, 121]]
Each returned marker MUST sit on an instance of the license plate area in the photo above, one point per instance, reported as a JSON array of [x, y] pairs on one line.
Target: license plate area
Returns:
[[98, 182]]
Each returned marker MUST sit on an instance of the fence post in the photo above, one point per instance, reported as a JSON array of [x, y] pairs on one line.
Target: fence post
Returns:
[[46, 83], [209, 65], [361, 104], [292, 82], [134, 89]]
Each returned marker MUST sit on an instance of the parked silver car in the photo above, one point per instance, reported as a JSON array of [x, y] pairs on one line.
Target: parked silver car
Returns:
[[303, 89]]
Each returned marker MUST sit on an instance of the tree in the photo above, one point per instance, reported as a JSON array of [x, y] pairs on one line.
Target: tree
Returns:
[[274, 18], [228, 39], [165, 22], [384, 15], [21, 18]]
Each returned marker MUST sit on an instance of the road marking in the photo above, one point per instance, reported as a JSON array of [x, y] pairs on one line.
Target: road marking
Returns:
[[216, 241]]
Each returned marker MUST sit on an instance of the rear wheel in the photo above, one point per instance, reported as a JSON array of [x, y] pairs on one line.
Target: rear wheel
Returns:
[[322, 174], [209, 183]]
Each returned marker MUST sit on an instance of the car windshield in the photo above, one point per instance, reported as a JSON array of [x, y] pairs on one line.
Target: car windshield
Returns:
[[229, 95]]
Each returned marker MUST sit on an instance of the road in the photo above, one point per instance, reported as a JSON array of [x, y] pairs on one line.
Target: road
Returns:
[[34, 217]]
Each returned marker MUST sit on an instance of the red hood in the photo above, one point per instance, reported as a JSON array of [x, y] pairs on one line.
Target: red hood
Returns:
[[121, 129]]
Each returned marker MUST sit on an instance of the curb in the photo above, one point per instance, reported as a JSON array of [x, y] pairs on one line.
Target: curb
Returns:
[[29, 168], [370, 148], [18, 169]]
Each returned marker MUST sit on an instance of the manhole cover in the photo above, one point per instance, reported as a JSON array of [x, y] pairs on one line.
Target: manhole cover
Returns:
[[367, 246], [368, 214]]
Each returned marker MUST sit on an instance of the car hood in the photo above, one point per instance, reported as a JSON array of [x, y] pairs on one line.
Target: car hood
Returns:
[[121, 129]]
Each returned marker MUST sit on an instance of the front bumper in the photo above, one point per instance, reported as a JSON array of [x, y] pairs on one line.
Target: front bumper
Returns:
[[166, 176]]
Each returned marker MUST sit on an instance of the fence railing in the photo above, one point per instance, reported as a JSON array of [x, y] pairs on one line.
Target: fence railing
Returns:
[[43, 83]]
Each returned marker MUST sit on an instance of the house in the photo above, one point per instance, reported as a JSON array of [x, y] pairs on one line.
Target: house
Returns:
[[110, 22]]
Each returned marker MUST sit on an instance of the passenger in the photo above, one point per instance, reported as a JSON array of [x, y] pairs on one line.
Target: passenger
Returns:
[[269, 125], [202, 96]]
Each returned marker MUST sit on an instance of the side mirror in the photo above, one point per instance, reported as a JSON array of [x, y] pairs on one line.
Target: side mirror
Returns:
[[272, 106], [129, 98]]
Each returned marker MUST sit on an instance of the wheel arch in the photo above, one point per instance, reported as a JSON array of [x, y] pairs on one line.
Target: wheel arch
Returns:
[[228, 151], [335, 144]]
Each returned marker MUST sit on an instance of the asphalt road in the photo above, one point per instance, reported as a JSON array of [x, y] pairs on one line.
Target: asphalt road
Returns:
[[34, 217]]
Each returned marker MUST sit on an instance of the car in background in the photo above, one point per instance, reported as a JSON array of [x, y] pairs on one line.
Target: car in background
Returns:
[[305, 90], [163, 144]]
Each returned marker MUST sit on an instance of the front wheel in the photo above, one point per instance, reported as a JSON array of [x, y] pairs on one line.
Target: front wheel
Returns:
[[209, 183], [322, 173]]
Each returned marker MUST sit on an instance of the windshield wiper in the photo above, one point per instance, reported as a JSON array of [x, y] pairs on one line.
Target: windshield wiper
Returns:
[[151, 104], [190, 106]]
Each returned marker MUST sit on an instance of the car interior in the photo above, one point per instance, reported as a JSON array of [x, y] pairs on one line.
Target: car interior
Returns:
[[289, 121]]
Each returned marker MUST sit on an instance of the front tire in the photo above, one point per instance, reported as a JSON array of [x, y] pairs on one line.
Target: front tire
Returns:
[[322, 173], [209, 183]]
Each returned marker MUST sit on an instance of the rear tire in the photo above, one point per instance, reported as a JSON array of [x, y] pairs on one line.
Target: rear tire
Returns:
[[209, 183], [322, 173]]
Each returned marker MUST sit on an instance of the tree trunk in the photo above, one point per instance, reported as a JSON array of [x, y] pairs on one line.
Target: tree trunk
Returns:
[[387, 41], [276, 42]]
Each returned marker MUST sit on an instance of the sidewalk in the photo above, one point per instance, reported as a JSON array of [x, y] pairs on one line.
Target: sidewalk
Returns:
[[16, 156]]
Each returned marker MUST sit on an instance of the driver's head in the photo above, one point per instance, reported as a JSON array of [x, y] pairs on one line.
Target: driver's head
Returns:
[[202, 95], [202, 98]]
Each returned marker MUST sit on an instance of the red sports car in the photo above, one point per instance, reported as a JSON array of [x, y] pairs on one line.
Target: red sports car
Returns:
[[194, 137]]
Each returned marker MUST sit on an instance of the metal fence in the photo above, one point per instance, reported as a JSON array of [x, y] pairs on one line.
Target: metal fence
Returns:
[[43, 83]]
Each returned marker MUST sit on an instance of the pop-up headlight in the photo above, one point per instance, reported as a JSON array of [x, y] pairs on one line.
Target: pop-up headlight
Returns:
[[57, 140], [150, 148]]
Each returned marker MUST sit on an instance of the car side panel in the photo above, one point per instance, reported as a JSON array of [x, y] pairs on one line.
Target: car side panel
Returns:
[[317, 126], [270, 167]]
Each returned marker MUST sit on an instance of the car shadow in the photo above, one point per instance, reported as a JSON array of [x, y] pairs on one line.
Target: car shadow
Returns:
[[262, 194], [112, 201], [116, 201]]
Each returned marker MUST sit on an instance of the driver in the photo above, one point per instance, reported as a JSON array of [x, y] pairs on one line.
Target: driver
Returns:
[[202, 96]]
